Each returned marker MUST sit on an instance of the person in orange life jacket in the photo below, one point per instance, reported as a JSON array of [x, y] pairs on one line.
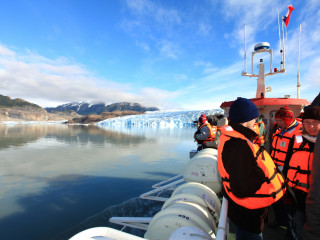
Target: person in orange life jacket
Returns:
[[283, 138], [221, 123], [214, 144], [311, 230], [212, 120], [249, 176], [204, 133], [260, 129], [281, 150], [300, 168]]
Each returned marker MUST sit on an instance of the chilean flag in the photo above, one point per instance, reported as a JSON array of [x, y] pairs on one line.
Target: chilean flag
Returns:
[[286, 18]]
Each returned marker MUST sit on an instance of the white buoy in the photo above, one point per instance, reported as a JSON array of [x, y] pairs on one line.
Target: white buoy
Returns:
[[203, 168], [190, 198], [190, 233], [207, 150], [202, 191], [104, 233], [180, 214]]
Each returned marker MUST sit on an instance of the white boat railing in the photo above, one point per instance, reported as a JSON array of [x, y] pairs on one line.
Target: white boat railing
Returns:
[[159, 184], [159, 188], [142, 222], [134, 222], [223, 227]]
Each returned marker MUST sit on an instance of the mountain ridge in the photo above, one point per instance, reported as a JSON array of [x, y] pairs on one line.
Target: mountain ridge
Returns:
[[84, 108], [21, 110], [6, 101]]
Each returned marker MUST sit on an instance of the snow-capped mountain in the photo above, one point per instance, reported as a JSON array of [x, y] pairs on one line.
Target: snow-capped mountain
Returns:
[[84, 108]]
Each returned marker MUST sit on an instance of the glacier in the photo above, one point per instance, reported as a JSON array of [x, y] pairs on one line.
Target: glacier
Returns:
[[159, 119]]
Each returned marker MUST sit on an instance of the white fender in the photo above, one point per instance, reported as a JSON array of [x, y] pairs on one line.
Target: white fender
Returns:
[[202, 191], [180, 214], [104, 233], [212, 151], [203, 168], [190, 233], [190, 198]]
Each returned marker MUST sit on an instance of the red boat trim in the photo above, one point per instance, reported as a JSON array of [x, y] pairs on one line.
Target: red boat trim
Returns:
[[272, 101]]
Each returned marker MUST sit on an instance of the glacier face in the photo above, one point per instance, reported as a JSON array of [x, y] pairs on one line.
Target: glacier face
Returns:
[[159, 119]]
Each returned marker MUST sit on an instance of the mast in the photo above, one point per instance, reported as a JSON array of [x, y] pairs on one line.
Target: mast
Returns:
[[283, 52], [298, 75], [245, 51], [279, 39]]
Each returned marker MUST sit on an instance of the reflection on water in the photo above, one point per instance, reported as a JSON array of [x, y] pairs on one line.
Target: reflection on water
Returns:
[[18, 135], [53, 176]]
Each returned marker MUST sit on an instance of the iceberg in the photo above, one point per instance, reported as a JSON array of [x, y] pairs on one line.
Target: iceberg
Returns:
[[177, 119]]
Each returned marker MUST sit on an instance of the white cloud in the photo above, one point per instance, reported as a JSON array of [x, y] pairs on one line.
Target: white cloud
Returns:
[[208, 67], [169, 49], [180, 77], [208, 104], [5, 51], [143, 45], [257, 15], [161, 24], [155, 11], [312, 76], [51, 82], [165, 30], [204, 29], [157, 96]]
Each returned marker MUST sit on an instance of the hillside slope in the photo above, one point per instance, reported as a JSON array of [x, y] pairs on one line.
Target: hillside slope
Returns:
[[21, 110], [84, 108]]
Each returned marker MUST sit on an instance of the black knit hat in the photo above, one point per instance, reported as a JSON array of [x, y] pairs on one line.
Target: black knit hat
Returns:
[[243, 110], [311, 112]]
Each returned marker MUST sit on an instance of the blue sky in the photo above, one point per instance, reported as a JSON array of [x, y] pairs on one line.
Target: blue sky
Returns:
[[172, 54]]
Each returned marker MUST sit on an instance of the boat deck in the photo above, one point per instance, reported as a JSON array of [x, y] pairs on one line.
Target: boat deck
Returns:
[[276, 233]]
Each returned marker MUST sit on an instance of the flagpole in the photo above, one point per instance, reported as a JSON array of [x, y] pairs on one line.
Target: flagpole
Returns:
[[283, 51], [298, 75], [286, 34], [279, 37]]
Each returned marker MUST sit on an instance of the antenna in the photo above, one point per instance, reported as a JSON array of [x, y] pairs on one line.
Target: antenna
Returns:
[[283, 52], [279, 38], [298, 75], [245, 50]]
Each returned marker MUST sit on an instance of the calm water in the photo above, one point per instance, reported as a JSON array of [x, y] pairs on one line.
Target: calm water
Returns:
[[53, 176]]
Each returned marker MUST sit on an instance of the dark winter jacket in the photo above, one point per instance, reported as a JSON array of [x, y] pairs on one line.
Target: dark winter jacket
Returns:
[[245, 179], [300, 195], [202, 134], [311, 229]]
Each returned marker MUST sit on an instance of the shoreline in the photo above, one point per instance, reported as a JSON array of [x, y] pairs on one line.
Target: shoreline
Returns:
[[13, 122]]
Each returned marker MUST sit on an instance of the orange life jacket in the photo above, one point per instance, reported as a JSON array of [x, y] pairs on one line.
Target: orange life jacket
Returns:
[[270, 191], [299, 169], [280, 143], [262, 136], [214, 130], [212, 134]]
